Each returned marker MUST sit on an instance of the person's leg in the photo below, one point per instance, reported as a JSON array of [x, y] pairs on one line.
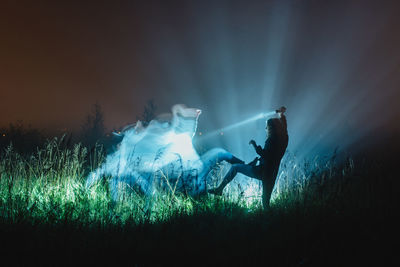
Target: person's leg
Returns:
[[214, 156], [268, 184], [266, 194], [245, 169]]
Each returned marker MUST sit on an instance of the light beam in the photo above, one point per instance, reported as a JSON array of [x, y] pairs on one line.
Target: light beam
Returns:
[[264, 115]]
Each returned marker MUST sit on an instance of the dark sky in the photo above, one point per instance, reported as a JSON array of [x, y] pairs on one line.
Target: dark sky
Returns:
[[57, 59], [333, 59]]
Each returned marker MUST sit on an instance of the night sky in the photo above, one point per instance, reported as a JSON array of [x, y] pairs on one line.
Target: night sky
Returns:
[[330, 62]]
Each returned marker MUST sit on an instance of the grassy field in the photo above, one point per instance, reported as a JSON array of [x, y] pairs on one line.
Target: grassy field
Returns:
[[325, 212]]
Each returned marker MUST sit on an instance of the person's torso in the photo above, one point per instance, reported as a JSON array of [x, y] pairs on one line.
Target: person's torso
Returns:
[[273, 151]]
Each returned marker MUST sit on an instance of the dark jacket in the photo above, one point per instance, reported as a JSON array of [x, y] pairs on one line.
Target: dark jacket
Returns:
[[274, 148]]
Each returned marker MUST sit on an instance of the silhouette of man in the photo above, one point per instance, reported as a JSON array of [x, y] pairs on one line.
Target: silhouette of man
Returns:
[[269, 158]]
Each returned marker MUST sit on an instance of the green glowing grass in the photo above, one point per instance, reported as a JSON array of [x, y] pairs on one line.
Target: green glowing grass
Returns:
[[48, 187]]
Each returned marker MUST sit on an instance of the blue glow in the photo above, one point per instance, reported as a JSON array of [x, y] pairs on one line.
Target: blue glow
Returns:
[[238, 62], [159, 155]]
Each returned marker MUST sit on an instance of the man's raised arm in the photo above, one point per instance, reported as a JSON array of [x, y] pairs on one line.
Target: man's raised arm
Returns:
[[258, 148]]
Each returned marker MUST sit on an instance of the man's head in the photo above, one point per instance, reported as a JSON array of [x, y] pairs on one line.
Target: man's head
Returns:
[[274, 127], [281, 110]]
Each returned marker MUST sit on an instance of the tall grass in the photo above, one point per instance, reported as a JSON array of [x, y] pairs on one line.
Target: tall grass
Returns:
[[48, 187], [323, 212]]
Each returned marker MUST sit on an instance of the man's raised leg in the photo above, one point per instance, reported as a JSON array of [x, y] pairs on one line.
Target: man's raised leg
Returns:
[[245, 169]]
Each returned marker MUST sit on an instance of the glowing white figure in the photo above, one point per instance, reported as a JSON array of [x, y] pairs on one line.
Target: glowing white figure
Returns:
[[148, 157]]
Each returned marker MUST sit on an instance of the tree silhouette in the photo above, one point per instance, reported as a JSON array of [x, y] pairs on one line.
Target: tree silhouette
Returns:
[[148, 112], [93, 129]]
